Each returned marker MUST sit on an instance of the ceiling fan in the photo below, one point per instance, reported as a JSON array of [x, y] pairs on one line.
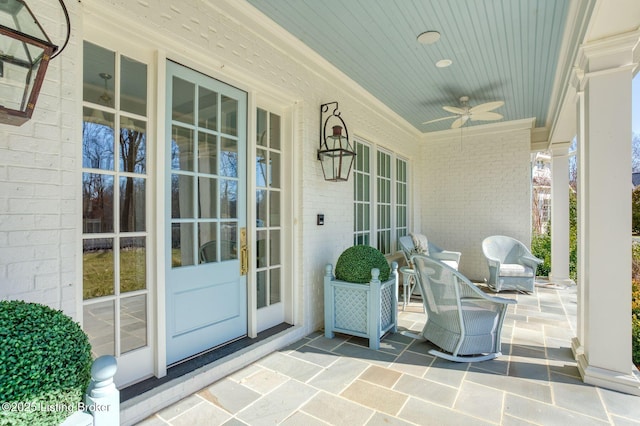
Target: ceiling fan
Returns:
[[463, 113]]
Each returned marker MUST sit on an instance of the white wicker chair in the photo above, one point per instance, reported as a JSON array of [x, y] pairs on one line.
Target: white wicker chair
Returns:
[[511, 264], [462, 320], [451, 258]]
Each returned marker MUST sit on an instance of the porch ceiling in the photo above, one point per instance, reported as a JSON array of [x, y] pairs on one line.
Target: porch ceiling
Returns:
[[514, 51]]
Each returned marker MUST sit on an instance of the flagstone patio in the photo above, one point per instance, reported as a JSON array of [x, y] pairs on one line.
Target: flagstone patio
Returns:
[[340, 381]]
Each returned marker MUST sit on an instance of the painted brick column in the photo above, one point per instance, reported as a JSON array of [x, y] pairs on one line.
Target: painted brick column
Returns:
[[560, 214], [603, 345]]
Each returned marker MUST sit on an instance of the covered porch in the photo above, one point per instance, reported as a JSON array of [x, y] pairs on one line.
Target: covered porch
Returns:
[[567, 350], [317, 381]]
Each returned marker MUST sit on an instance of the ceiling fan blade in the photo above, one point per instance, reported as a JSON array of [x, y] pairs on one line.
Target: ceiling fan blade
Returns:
[[459, 122], [440, 119], [486, 106], [454, 110], [486, 116]]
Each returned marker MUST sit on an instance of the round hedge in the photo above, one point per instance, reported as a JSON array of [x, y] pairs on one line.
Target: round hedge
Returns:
[[45, 364], [355, 263]]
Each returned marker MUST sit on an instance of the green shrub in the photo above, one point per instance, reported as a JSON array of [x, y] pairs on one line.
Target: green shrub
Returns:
[[45, 362], [635, 211], [635, 342], [635, 298], [541, 243], [541, 247], [355, 263], [635, 303]]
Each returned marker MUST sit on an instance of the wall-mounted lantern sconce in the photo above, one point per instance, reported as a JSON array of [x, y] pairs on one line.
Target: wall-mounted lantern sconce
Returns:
[[336, 154], [25, 52]]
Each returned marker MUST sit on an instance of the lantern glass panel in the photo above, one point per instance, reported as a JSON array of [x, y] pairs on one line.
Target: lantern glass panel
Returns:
[[18, 17]]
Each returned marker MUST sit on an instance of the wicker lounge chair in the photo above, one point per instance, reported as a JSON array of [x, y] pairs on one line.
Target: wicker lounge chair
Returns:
[[462, 320], [511, 264]]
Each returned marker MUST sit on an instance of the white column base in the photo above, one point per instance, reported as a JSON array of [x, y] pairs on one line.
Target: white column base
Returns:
[[615, 380], [561, 280], [576, 348]]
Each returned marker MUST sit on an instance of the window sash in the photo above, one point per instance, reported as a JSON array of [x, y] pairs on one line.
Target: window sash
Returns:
[[380, 210]]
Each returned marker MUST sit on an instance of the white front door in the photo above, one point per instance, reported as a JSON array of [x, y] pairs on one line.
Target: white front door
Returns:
[[205, 199]]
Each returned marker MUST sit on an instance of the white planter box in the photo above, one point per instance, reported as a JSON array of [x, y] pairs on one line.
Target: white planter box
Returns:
[[364, 310]]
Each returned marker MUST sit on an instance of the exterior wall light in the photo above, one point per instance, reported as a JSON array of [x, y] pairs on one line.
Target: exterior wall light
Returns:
[[25, 52], [336, 154]]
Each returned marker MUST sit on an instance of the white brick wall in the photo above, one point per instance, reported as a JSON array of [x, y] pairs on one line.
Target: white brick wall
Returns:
[[474, 189], [37, 227]]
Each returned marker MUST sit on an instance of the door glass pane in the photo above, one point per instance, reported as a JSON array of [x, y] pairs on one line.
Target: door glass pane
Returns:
[[229, 158], [183, 105], [228, 241], [274, 247], [261, 208], [275, 170], [261, 127], [98, 321], [261, 168], [207, 109], [229, 116], [97, 202], [133, 86], [182, 244], [274, 286], [97, 268], [207, 197], [366, 214], [182, 149], [133, 147], [261, 284], [366, 181], [132, 204], [208, 234], [274, 131], [182, 196], [207, 153], [98, 72], [133, 322], [97, 139], [274, 209], [133, 264], [261, 249], [228, 198]]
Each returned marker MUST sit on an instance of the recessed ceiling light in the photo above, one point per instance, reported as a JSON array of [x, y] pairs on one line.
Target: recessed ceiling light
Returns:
[[429, 37], [443, 63]]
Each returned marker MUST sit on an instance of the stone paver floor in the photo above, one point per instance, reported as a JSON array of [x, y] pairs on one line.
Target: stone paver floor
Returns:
[[340, 381]]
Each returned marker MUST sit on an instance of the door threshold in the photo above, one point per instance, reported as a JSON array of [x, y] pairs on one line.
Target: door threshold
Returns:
[[144, 398], [189, 365]]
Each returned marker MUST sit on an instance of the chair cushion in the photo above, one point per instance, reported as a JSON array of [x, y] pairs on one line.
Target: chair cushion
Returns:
[[451, 263], [515, 270], [420, 243]]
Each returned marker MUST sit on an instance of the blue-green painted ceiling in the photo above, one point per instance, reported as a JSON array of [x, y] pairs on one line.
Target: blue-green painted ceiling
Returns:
[[501, 50]]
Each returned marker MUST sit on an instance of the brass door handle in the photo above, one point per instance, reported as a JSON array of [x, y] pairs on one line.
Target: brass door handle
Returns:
[[244, 252]]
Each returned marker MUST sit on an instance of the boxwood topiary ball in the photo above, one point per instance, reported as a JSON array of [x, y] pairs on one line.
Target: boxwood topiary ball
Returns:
[[355, 263], [45, 364]]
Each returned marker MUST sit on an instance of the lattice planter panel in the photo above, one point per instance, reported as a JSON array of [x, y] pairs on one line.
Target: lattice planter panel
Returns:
[[364, 310]]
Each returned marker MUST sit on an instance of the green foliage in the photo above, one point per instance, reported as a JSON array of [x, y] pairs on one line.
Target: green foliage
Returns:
[[635, 303], [355, 263], [635, 210], [45, 362], [573, 235], [541, 243], [541, 247], [635, 342]]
